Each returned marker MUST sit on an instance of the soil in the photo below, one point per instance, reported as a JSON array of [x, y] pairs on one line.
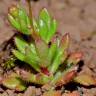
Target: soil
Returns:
[[77, 17]]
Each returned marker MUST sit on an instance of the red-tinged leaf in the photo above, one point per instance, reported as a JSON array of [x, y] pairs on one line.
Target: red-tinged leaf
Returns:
[[27, 76], [64, 56], [35, 35], [85, 79], [66, 78], [42, 51], [54, 39], [75, 57], [45, 71], [64, 43], [38, 78], [57, 35]]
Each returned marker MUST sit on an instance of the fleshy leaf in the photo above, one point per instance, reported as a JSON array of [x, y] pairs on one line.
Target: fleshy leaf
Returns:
[[52, 30], [85, 79], [19, 55], [66, 77], [32, 59], [64, 57], [13, 22], [21, 44], [63, 46], [50, 23], [13, 11], [19, 19], [43, 29], [23, 20], [34, 78], [33, 49], [74, 58], [52, 53], [56, 62], [44, 15], [14, 82], [42, 51], [64, 43], [57, 77]]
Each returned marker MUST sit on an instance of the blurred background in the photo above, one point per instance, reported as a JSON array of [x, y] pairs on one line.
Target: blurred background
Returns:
[[78, 17]]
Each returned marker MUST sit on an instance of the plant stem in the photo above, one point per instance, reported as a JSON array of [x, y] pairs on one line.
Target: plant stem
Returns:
[[30, 12], [31, 19]]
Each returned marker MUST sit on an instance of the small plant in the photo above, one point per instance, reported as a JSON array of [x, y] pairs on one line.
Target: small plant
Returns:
[[47, 54], [44, 53]]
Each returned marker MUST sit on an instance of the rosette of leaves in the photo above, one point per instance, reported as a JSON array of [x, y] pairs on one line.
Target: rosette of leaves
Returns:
[[47, 55]]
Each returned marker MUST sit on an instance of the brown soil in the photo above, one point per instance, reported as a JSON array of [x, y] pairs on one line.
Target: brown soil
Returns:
[[78, 17]]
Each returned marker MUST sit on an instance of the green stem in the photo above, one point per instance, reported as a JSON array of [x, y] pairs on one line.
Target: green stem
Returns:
[[30, 12], [31, 18]]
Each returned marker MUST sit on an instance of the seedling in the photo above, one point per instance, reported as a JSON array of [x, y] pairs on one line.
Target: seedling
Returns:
[[45, 52]]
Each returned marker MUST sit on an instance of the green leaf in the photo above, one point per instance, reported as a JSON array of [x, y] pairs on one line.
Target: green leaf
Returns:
[[32, 55], [52, 53], [44, 23], [52, 30], [14, 82], [51, 25], [43, 30], [24, 22], [21, 44], [42, 51], [64, 57], [19, 55], [64, 43], [33, 49], [20, 20], [32, 59], [56, 62], [14, 22], [44, 15], [61, 54], [56, 78]]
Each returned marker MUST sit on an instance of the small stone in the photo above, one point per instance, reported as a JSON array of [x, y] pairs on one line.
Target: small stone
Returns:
[[10, 92], [74, 93], [31, 91], [38, 92]]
